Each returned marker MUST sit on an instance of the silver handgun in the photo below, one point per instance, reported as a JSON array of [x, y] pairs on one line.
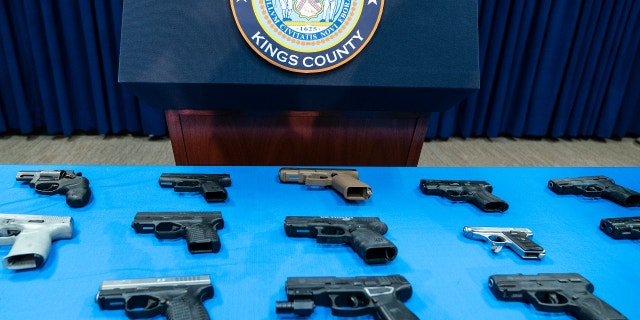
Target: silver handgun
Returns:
[[516, 239], [30, 237], [177, 298]]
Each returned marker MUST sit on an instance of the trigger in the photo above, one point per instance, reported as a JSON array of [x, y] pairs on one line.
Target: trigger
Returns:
[[355, 302], [46, 187]]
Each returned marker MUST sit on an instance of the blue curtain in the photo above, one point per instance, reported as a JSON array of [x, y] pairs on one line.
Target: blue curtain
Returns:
[[565, 68], [59, 70]]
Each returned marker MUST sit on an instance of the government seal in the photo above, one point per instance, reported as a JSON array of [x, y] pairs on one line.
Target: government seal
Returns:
[[307, 36]]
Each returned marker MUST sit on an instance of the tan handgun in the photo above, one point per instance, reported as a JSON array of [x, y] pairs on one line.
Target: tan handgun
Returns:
[[344, 181]]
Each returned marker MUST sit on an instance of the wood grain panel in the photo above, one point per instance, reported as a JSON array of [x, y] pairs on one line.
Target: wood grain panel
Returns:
[[296, 138]]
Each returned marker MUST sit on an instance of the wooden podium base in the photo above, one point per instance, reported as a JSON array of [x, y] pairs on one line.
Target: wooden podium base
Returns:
[[296, 138]]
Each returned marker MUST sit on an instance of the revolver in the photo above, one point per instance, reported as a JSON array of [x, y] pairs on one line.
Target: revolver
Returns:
[[554, 292], [344, 181], [211, 186], [177, 298], [516, 239], [621, 228], [199, 228], [476, 192], [363, 234], [596, 187], [30, 237], [48, 182], [382, 297]]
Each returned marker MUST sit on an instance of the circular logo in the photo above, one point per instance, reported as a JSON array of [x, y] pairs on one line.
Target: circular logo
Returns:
[[307, 36]]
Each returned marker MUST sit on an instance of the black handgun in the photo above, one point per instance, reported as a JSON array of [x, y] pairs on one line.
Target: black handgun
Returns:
[[382, 297], [621, 228], [363, 234], [199, 228], [178, 298], [476, 192], [48, 182], [554, 292], [596, 187], [211, 186]]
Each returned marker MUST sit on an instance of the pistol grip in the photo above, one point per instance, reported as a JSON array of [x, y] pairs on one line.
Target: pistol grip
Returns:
[[29, 251], [202, 239], [622, 196], [372, 246], [592, 308], [394, 310], [350, 187], [488, 202], [78, 194], [213, 192], [186, 308], [525, 247]]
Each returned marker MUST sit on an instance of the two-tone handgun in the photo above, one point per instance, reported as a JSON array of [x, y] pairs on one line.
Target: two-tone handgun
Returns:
[[177, 298], [344, 181], [516, 239], [30, 237]]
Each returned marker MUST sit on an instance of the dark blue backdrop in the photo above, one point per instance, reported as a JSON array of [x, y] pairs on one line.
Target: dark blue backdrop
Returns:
[[59, 67], [549, 68]]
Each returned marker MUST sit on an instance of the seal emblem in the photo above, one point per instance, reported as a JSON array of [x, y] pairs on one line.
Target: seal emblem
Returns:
[[307, 36]]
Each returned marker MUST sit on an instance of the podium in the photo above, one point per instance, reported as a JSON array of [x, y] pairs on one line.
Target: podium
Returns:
[[225, 105]]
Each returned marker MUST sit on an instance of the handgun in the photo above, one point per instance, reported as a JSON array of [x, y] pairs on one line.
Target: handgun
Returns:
[[621, 228], [177, 298], [363, 234], [199, 228], [344, 181], [30, 237], [382, 297], [476, 192], [211, 186], [596, 187], [554, 292], [66, 182], [516, 239]]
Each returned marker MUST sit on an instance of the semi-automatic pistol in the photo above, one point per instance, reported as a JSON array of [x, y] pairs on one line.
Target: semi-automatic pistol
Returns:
[[177, 298], [30, 237], [516, 239], [344, 181], [621, 228]]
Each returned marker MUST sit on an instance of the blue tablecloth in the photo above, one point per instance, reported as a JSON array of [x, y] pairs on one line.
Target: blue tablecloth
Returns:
[[448, 272]]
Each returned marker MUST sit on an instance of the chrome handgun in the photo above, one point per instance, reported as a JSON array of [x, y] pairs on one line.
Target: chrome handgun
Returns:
[[517, 239]]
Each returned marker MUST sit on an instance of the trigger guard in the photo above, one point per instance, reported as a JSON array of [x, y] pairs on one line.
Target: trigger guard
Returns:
[[347, 311], [47, 188], [142, 307]]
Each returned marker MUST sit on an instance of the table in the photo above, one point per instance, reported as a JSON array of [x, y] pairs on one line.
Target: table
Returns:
[[448, 272]]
